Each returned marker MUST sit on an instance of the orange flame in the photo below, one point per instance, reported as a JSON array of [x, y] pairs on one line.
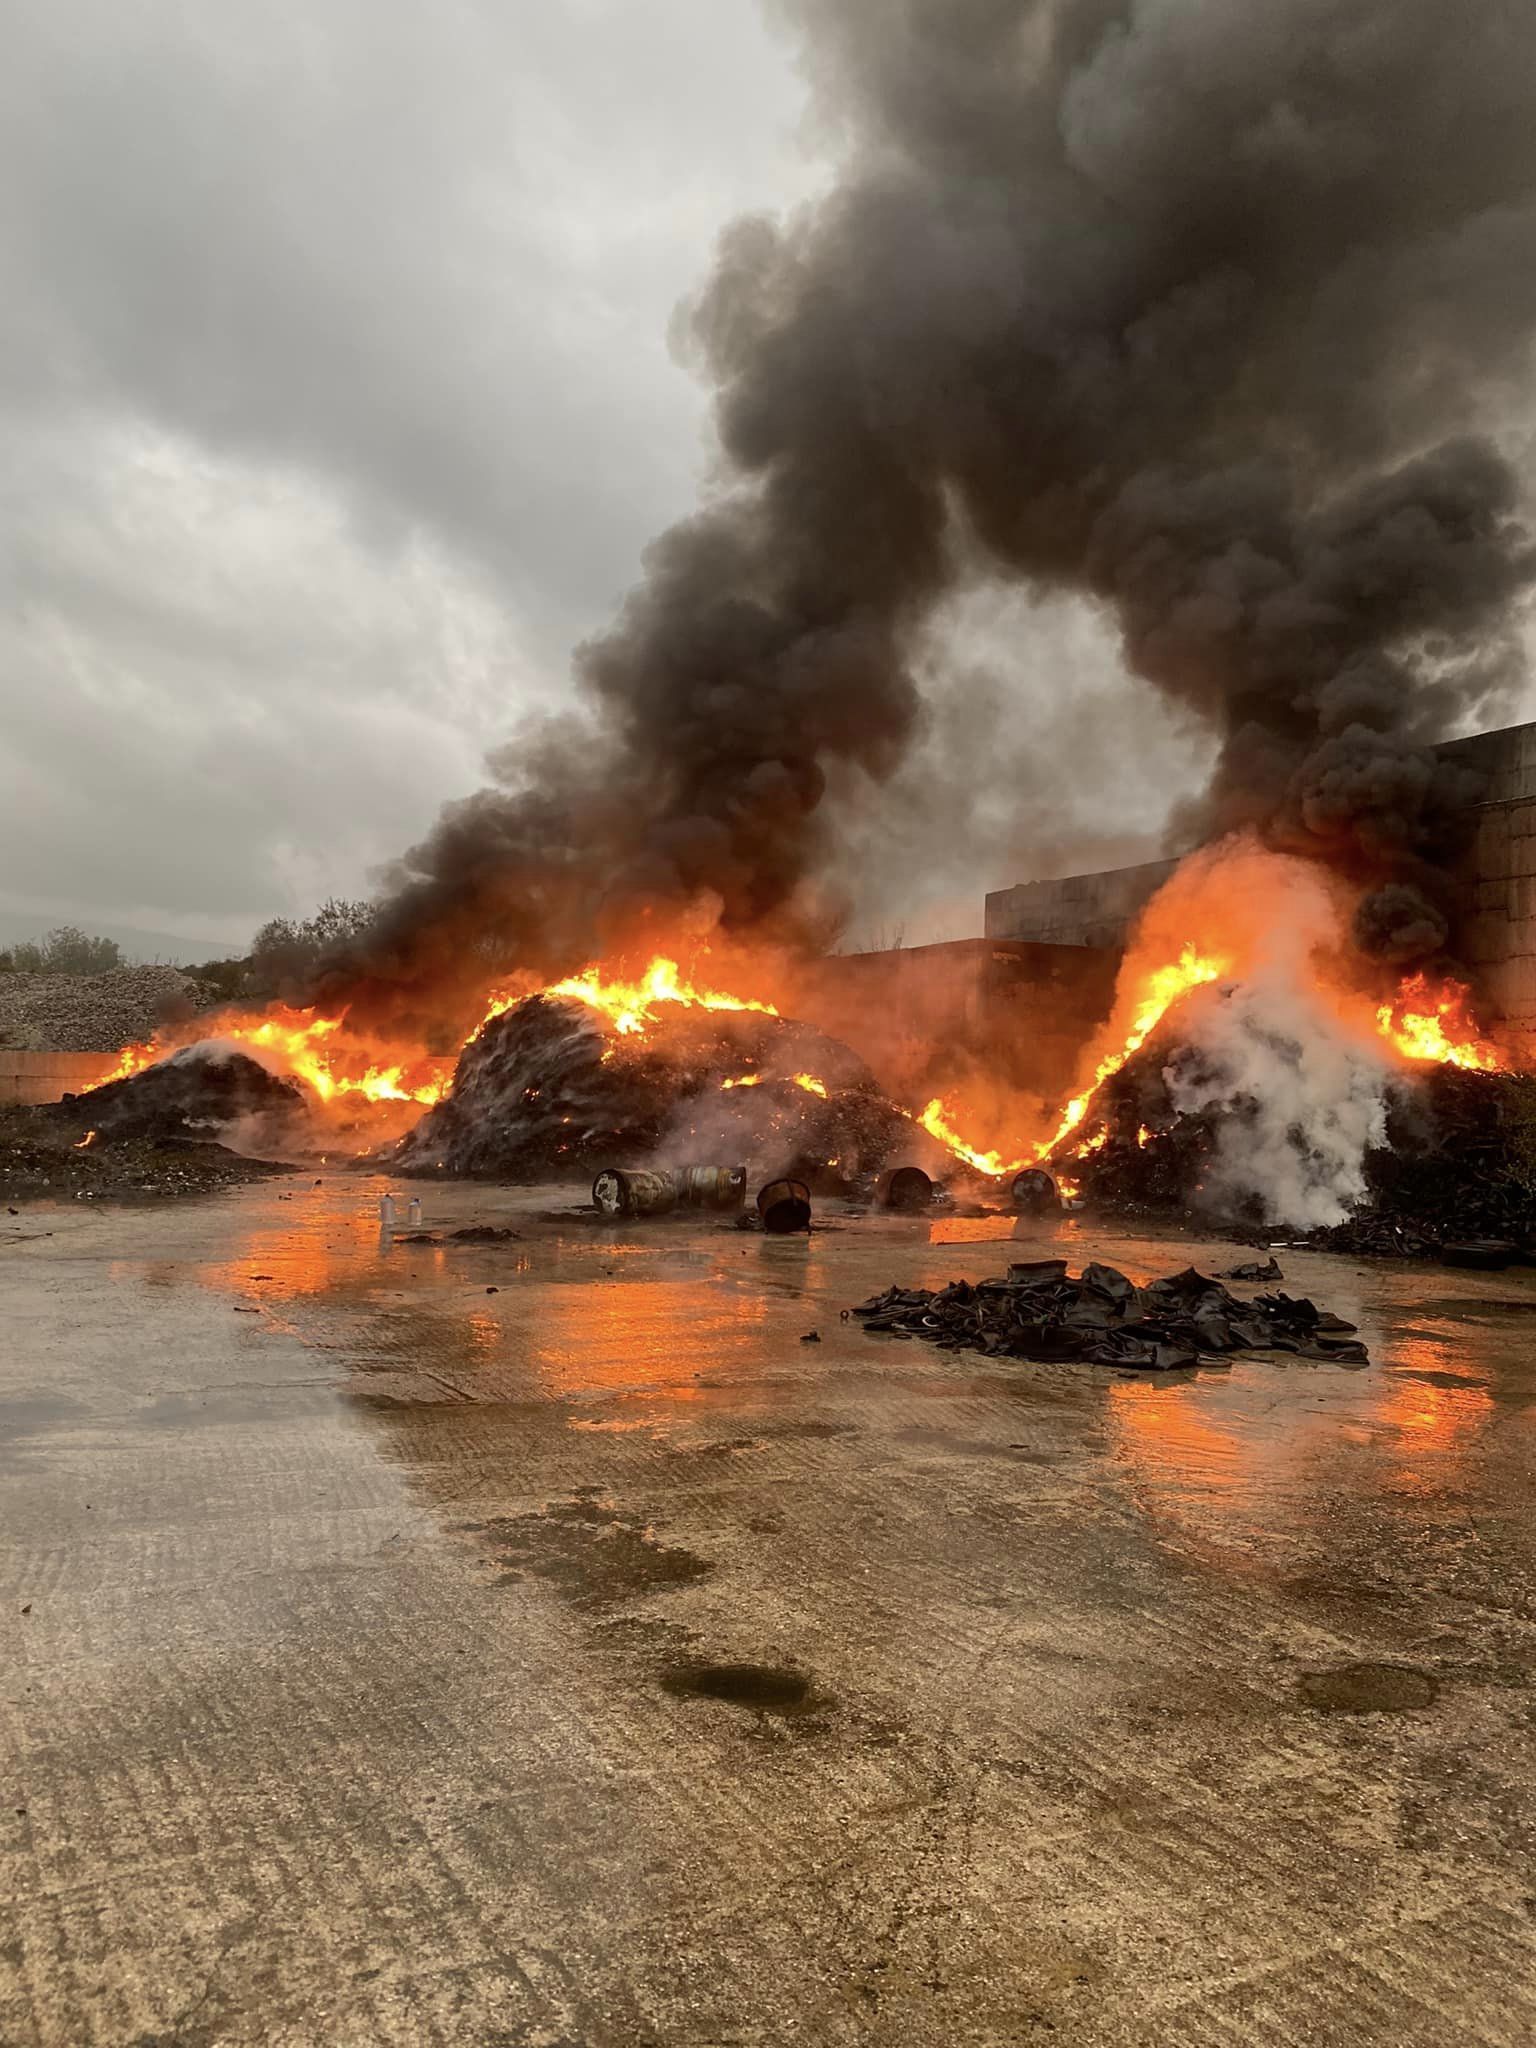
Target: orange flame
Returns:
[[935, 1121], [808, 1082], [630, 1005], [298, 1039], [1163, 989], [1424, 1024], [88, 1139]]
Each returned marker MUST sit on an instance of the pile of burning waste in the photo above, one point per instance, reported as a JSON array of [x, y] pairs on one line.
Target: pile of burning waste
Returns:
[[588, 1074], [1239, 1111], [551, 1086], [202, 1089], [207, 1117], [1252, 1079]]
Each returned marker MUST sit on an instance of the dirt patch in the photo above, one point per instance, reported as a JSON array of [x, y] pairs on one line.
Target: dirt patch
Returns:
[[1368, 1689], [769, 1688], [591, 1555]]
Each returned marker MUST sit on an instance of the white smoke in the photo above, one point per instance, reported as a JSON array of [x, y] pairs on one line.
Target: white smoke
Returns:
[[1299, 1099]]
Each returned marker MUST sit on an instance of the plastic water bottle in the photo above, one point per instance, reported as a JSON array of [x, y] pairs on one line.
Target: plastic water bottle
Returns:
[[413, 1213], [386, 1212]]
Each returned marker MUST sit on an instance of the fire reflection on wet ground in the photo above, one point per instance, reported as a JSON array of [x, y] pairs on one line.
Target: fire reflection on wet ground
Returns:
[[660, 1319], [607, 1585]]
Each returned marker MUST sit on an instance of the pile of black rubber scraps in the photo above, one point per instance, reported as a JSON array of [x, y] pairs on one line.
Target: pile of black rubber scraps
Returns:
[[1039, 1312]]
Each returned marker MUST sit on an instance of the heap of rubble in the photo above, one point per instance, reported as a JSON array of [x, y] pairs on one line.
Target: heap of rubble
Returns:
[[159, 1132], [193, 1093], [95, 1012]]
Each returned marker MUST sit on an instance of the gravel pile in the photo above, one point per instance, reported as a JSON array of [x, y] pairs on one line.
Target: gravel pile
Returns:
[[94, 1012]]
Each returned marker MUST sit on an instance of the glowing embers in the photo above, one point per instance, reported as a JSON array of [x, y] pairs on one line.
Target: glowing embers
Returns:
[[1425, 1023]]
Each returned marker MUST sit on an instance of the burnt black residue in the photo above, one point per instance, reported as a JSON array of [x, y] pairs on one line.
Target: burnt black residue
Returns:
[[591, 1554], [770, 1688], [1368, 1689]]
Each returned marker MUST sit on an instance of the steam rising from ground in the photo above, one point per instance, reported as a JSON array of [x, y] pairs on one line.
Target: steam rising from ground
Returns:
[[1281, 1044], [1299, 1100]]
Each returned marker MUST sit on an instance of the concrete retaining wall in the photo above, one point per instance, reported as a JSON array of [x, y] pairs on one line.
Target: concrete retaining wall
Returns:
[[1076, 910], [1500, 939], [50, 1076]]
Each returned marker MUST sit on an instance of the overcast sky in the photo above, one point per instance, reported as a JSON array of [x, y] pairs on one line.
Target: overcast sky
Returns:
[[335, 405]]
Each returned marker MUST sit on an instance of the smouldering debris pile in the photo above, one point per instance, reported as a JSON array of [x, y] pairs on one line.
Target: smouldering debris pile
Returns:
[[1454, 1158], [1037, 1311], [204, 1090], [545, 1088]]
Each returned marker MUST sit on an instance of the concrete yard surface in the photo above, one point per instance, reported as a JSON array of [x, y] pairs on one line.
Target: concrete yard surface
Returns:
[[539, 1643]]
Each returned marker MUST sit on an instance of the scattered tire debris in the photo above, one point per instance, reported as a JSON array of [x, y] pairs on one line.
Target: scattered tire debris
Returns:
[[1037, 1311]]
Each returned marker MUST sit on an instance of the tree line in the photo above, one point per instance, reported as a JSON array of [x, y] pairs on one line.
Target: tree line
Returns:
[[282, 954]]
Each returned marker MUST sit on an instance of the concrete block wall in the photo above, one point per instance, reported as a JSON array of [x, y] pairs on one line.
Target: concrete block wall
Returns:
[[1076, 910], [1500, 937], [50, 1076], [1506, 759]]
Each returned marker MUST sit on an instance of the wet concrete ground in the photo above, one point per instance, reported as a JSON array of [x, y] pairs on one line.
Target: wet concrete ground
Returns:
[[541, 1644]]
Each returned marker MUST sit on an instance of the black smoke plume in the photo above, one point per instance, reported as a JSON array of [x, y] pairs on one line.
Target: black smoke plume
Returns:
[[1210, 311]]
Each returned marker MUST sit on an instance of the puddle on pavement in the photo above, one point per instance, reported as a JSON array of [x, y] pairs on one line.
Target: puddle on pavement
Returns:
[[1477, 1308], [599, 1334]]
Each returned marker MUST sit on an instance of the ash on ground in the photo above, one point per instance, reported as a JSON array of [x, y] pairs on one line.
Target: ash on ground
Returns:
[[547, 1089]]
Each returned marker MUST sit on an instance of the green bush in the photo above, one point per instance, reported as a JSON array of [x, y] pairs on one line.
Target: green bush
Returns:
[[66, 950]]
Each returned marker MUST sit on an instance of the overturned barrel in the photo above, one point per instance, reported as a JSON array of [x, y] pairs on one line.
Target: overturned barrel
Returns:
[[1033, 1191], [657, 1191], [712, 1187], [907, 1189], [625, 1191], [784, 1206]]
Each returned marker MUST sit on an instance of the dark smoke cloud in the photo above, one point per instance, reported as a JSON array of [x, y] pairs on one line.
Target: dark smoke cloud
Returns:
[[1206, 309]]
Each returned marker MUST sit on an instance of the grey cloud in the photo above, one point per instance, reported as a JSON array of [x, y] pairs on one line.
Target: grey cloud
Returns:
[[400, 276]]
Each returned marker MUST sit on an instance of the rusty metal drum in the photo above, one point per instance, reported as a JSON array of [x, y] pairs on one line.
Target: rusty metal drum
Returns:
[[785, 1206], [908, 1190], [626, 1191], [712, 1187]]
